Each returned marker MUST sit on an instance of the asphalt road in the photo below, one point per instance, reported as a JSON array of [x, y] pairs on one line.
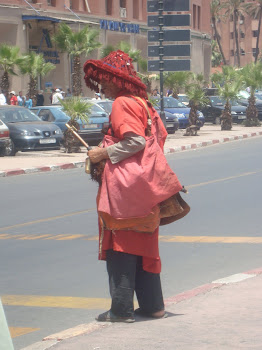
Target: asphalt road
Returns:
[[50, 277]]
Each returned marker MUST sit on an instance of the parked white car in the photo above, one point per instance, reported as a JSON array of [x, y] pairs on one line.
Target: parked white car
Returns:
[[4, 138]]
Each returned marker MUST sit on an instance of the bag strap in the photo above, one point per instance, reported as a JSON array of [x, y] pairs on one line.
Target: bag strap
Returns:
[[149, 118]]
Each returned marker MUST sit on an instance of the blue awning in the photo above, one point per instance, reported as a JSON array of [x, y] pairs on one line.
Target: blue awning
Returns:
[[40, 18]]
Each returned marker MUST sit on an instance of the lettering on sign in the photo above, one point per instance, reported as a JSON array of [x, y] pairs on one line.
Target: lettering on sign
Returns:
[[119, 26]]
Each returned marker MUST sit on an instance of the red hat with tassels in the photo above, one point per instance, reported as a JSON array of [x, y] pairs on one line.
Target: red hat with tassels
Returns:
[[116, 67]]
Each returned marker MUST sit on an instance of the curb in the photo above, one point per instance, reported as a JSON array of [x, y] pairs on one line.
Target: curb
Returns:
[[56, 338], [64, 166], [211, 142]]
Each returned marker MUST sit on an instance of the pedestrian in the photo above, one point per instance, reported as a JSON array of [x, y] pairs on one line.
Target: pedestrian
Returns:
[[68, 93], [155, 93], [13, 99], [20, 99], [40, 98], [129, 190], [97, 96], [56, 96], [2, 98], [28, 101]]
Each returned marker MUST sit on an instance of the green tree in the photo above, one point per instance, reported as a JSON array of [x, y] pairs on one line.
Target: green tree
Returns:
[[216, 57], [35, 66], [197, 98], [229, 84], [235, 8], [78, 110], [9, 60], [215, 12], [251, 76], [254, 9], [176, 81], [75, 44]]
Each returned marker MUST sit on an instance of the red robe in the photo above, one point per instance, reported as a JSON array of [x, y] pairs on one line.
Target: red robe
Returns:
[[131, 116]]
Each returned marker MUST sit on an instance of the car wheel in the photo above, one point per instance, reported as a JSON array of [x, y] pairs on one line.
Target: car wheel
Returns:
[[10, 149], [217, 120]]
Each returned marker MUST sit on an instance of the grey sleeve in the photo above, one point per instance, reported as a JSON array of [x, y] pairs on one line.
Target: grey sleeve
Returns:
[[131, 144]]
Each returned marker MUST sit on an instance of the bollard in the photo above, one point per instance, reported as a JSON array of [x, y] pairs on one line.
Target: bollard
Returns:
[[5, 338]]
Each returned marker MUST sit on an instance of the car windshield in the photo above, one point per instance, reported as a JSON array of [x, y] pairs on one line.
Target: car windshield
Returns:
[[17, 115], [217, 101], [183, 98], [171, 102], [95, 109], [59, 114], [243, 94], [107, 106]]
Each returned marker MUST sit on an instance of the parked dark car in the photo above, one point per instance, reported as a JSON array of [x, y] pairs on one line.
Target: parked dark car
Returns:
[[28, 132], [213, 110], [172, 123], [243, 100], [4, 138], [177, 108], [90, 132]]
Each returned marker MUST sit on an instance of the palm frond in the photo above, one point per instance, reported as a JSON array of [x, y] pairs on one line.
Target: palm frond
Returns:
[[76, 108]]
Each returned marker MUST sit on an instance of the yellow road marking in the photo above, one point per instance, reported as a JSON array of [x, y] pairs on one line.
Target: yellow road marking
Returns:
[[223, 179], [93, 209], [209, 239], [47, 219], [56, 301], [178, 239], [18, 331]]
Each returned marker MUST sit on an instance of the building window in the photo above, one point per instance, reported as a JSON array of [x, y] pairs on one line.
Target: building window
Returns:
[[51, 3], [231, 52], [123, 3], [74, 4], [109, 7], [254, 50], [198, 17], [194, 16], [136, 9], [242, 35], [231, 35], [242, 52], [255, 33]]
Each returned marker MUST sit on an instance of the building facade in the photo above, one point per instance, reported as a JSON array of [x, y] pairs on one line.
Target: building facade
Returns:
[[247, 29], [30, 24]]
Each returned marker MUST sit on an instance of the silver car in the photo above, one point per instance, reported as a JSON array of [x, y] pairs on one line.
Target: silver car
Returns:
[[28, 132]]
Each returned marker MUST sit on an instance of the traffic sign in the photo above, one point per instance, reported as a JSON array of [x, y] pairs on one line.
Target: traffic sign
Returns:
[[169, 65], [169, 50], [168, 20], [169, 35], [168, 5]]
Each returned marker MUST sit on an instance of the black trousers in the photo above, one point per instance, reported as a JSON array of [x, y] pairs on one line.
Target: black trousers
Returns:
[[126, 276]]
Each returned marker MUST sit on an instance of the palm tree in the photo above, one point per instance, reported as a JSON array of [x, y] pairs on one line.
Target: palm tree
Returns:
[[235, 8], [215, 12], [197, 98], [176, 81], [251, 76], [9, 60], [78, 110], [216, 57], [75, 44], [228, 84], [35, 66], [254, 9]]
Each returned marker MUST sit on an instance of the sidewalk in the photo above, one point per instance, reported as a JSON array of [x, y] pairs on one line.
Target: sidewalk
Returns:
[[40, 161], [223, 315]]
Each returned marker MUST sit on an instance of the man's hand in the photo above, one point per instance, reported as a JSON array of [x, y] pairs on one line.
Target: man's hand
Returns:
[[97, 154]]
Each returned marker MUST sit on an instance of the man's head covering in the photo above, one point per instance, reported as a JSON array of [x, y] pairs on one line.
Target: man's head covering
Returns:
[[57, 90], [97, 94], [12, 92], [117, 67]]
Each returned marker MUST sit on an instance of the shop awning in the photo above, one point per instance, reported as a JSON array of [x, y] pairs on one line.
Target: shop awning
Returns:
[[57, 19], [40, 18]]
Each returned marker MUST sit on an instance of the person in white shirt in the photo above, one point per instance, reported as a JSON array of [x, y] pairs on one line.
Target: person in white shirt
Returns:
[[56, 97], [97, 96], [2, 99]]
